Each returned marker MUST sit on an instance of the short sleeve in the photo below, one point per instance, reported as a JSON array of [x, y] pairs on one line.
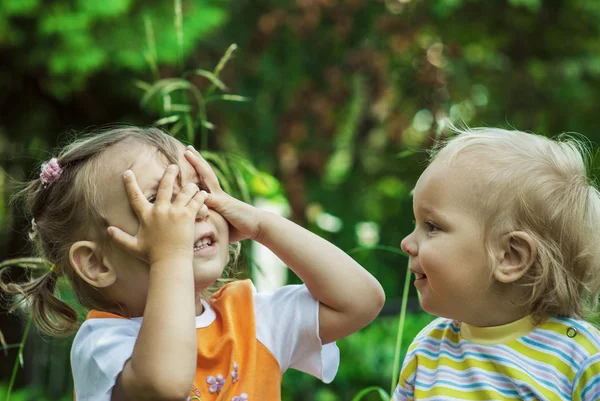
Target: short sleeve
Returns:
[[287, 324], [406, 389], [587, 383], [100, 350]]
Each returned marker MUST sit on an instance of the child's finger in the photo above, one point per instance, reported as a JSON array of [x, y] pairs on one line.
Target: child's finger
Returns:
[[136, 197], [217, 202], [203, 169], [165, 189], [123, 239], [187, 193], [197, 200]]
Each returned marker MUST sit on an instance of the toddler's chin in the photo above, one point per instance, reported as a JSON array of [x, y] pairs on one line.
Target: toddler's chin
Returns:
[[205, 277]]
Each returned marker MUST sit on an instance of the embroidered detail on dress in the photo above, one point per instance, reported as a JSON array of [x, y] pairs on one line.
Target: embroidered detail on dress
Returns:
[[234, 374], [215, 383], [197, 394], [241, 397]]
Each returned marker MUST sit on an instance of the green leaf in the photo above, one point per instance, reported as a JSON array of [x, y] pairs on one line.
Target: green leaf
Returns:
[[104, 8], [19, 7]]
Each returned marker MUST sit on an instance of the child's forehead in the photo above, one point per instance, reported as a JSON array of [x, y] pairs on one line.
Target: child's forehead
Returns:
[[451, 183], [139, 156]]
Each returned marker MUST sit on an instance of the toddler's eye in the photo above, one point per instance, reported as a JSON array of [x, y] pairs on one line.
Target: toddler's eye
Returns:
[[152, 198], [431, 227]]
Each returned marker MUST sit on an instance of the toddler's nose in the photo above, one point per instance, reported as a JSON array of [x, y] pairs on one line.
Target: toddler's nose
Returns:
[[409, 246], [203, 213]]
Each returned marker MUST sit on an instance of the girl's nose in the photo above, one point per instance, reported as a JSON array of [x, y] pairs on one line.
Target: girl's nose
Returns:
[[203, 213], [409, 246]]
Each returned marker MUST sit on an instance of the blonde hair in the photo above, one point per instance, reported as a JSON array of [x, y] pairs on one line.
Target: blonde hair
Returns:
[[540, 186], [69, 210]]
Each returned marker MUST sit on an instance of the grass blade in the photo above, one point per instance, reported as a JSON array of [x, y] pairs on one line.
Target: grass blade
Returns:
[[150, 54], [167, 120], [228, 98], [396, 371], [386, 248], [179, 30], [19, 359], [212, 78], [384, 396]]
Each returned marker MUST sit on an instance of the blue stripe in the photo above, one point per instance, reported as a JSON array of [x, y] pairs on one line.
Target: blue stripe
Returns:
[[590, 361], [594, 385], [591, 333], [460, 348], [472, 386], [503, 361], [550, 350], [556, 337], [467, 374]]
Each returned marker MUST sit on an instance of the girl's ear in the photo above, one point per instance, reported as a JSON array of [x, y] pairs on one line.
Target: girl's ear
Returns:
[[518, 251], [86, 259]]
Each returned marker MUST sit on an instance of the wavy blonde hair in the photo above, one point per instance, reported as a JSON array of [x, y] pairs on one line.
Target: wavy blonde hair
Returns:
[[67, 211], [540, 186]]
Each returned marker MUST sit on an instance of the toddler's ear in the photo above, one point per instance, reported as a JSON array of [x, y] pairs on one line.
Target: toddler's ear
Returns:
[[518, 251], [85, 258]]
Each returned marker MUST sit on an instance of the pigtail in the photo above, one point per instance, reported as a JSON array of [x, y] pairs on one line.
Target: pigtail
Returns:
[[50, 314]]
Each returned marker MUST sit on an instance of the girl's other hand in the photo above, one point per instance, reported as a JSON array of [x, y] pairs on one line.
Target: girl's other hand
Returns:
[[166, 229], [244, 219]]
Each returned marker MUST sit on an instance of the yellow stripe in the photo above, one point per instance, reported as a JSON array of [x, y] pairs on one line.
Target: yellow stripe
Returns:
[[462, 395], [580, 339], [590, 372], [408, 371], [491, 367], [545, 358]]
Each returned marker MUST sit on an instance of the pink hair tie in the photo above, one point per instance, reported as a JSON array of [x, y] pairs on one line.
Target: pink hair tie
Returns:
[[51, 170]]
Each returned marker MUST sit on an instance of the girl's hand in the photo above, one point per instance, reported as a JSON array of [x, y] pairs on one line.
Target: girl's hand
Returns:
[[166, 229], [243, 218]]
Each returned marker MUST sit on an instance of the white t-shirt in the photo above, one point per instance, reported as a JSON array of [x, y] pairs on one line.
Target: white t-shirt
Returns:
[[287, 324]]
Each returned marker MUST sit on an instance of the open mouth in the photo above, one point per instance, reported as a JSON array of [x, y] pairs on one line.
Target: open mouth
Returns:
[[204, 242]]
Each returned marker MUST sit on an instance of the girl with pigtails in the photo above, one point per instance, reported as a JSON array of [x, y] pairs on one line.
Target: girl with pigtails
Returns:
[[142, 230]]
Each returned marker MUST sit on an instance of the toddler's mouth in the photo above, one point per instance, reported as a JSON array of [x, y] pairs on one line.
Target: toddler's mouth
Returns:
[[205, 242], [420, 276]]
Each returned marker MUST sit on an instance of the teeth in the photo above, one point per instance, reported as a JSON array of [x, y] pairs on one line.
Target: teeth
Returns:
[[203, 243]]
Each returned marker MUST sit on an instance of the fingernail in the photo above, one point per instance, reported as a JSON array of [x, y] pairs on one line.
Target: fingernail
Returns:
[[190, 147], [127, 173], [173, 167], [110, 231]]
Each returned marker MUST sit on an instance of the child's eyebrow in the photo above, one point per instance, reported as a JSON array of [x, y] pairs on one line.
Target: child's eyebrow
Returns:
[[428, 210]]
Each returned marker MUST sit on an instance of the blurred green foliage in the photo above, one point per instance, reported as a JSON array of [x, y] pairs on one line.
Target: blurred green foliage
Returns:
[[345, 96], [71, 40]]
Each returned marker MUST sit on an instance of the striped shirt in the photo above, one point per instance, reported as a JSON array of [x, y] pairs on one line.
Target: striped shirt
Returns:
[[557, 360]]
